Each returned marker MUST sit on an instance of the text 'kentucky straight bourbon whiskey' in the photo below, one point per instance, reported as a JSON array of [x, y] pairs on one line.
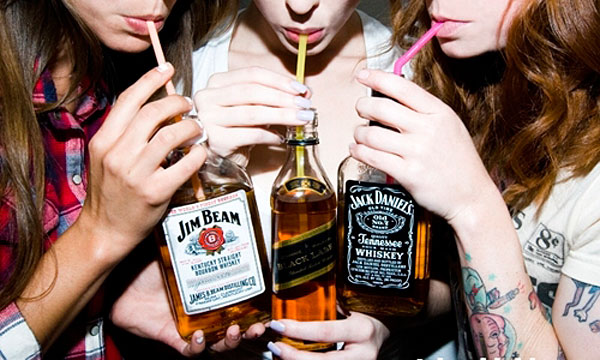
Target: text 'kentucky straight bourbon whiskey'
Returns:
[[304, 237], [212, 251], [383, 264]]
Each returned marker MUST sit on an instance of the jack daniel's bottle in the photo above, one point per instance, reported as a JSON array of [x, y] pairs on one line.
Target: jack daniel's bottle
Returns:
[[213, 255], [304, 237], [383, 263]]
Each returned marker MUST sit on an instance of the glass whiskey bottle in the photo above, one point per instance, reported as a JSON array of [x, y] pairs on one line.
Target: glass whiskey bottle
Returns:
[[212, 252], [304, 237], [383, 260]]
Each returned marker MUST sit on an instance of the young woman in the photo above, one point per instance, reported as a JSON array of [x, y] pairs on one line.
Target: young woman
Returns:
[[244, 82], [503, 111], [81, 181]]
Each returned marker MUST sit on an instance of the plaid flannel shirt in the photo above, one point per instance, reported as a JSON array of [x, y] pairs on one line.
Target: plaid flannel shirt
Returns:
[[66, 136]]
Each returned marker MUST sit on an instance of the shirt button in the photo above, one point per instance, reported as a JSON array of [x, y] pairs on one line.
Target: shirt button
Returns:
[[77, 179]]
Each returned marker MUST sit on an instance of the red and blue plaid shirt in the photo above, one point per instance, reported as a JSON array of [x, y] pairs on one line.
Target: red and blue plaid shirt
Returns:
[[66, 136]]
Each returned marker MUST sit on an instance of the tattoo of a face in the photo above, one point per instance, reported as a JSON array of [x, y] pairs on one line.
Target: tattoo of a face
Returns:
[[582, 313], [493, 335]]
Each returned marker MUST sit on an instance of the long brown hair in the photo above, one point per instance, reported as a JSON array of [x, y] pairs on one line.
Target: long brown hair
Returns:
[[532, 107], [29, 50]]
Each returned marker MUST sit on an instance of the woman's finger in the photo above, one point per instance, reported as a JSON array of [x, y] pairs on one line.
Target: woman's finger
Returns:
[[167, 181], [195, 346], [255, 115], [257, 75], [393, 165], [389, 113], [133, 98], [401, 89], [254, 331], [249, 94], [154, 115], [166, 139], [385, 140], [232, 339], [351, 329]]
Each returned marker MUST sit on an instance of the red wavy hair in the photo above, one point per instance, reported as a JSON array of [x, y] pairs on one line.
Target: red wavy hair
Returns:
[[531, 108]]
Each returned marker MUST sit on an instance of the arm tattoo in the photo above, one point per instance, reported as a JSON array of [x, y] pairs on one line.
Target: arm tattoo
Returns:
[[582, 313]]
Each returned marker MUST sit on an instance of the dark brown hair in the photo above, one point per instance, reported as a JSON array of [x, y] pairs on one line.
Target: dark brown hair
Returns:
[[531, 108], [29, 50]]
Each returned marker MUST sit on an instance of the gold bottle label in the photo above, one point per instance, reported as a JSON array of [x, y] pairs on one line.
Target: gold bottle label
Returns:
[[304, 257], [305, 183], [214, 253], [379, 239]]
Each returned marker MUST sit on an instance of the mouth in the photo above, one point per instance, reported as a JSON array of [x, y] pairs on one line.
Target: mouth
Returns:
[[314, 34], [138, 23], [450, 26]]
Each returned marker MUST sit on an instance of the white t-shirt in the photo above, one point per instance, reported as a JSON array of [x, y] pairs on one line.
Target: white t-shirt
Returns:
[[214, 58], [565, 237]]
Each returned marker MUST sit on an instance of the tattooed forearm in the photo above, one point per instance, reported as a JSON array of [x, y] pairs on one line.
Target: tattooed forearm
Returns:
[[582, 313]]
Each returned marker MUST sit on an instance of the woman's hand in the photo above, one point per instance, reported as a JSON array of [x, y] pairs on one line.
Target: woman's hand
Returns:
[[432, 155], [362, 335], [143, 309], [237, 107], [128, 189]]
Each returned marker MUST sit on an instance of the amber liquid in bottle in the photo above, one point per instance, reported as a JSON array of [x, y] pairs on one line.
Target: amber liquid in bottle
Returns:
[[380, 280], [221, 275], [384, 236], [304, 245]]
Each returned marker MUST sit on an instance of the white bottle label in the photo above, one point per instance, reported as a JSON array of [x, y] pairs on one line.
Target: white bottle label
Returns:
[[213, 252]]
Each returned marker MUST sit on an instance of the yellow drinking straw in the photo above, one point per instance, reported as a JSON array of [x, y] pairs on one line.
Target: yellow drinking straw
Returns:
[[300, 64]]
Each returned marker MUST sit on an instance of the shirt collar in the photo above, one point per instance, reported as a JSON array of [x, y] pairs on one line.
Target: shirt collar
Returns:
[[92, 100]]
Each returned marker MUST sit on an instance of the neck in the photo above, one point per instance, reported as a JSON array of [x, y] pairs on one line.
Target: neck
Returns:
[[61, 70]]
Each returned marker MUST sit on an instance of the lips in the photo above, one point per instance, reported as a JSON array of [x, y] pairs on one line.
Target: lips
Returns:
[[450, 26], [314, 34], [138, 24]]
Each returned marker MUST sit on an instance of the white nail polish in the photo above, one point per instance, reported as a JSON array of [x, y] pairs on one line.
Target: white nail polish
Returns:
[[162, 67], [302, 102], [305, 115], [300, 88], [273, 348], [277, 326], [200, 340]]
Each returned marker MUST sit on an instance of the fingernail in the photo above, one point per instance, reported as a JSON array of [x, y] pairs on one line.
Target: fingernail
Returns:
[[200, 139], [302, 102], [273, 348], [363, 74], [162, 67], [200, 340], [277, 326], [189, 100], [305, 115], [235, 337], [300, 88]]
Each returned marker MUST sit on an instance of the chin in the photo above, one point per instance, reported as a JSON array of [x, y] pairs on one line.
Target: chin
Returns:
[[129, 45], [457, 51]]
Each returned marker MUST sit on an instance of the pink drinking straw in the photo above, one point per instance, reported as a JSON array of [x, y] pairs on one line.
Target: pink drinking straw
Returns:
[[402, 60], [160, 57]]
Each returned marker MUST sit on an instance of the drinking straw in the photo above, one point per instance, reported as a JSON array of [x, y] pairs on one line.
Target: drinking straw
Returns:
[[423, 40], [160, 58], [402, 60], [300, 64]]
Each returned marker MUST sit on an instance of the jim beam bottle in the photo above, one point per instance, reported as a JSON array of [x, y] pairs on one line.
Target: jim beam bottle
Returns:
[[212, 251], [383, 263], [304, 237]]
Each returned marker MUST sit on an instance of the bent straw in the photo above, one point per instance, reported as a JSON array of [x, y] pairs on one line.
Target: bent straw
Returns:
[[423, 40], [160, 58], [300, 64]]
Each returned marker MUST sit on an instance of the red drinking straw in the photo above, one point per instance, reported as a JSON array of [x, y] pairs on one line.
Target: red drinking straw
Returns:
[[416, 47]]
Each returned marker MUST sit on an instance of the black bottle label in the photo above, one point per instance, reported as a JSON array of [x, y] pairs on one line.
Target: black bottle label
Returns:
[[304, 257], [379, 234]]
